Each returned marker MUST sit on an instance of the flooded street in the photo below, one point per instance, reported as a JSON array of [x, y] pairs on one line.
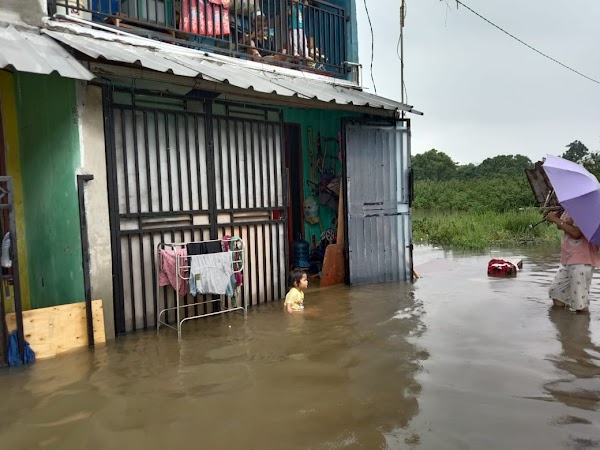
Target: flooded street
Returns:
[[455, 361]]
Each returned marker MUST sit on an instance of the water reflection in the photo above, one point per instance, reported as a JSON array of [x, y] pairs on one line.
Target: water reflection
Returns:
[[580, 357], [384, 383]]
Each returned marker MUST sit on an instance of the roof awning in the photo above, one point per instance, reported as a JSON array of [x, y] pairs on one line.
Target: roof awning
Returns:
[[261, 78], [29, 51]]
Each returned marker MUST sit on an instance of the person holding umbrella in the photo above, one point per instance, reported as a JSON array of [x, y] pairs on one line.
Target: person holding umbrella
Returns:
[[578, 259], [578, 192]]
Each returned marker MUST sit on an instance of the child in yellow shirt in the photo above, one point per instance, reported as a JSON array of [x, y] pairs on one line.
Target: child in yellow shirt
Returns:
[[294, 300]]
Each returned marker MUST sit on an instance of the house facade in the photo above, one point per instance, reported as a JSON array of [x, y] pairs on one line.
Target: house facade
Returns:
[[187, 121]]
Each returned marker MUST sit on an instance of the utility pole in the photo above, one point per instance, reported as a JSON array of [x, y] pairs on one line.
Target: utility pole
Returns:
[[402, 15]]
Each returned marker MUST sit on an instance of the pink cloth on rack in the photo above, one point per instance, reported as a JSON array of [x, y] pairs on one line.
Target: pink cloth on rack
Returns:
[[167, 275], [239, 276]]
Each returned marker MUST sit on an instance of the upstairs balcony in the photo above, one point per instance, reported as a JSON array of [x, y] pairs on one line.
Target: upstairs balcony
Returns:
[[302, 34]]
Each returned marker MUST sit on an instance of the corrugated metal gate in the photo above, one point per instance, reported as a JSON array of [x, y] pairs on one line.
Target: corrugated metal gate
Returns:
[[378, 175], [185, 170]]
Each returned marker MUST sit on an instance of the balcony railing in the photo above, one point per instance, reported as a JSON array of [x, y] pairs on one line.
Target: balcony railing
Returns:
[[306, 34]]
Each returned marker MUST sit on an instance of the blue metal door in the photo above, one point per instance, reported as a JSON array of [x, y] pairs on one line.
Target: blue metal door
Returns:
[[378, 183]]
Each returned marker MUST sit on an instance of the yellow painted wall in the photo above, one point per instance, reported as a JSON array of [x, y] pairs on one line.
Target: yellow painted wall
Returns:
[[13, 167]]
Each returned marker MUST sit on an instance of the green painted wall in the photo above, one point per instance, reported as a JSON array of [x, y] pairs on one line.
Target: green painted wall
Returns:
[[328, 124], [49, 154]]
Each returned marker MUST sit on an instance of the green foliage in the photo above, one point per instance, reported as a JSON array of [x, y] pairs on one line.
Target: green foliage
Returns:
[[466, 171], [476, 195], [478, 231], [503, 166], [433, 165], [438, 166], [477, 206], [592, 163], [577, 152]]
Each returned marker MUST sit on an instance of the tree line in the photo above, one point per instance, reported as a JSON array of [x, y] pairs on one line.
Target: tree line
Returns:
[[496, 184]]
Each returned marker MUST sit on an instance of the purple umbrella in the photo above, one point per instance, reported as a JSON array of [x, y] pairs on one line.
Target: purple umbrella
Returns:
[[578, 191]]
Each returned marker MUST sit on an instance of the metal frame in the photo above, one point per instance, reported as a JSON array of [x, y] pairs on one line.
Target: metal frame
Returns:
[[85, 256], [242, 192], [236, 264], [326, 23]]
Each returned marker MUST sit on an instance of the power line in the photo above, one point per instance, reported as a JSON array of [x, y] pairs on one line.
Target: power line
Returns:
[[372, 45], [458, 2]]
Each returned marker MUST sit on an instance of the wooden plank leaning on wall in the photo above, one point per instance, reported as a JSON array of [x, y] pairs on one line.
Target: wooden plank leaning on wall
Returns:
[[58, 329]]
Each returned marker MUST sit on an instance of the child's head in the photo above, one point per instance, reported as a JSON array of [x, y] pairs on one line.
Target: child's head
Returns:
[[298, 279], [261, 22]]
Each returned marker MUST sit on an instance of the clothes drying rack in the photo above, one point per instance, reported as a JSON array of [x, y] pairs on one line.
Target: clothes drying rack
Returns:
[[236, 251]]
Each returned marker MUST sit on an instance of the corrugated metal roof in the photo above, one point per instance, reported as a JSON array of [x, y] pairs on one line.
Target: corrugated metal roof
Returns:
[[29, 51], [182, 61]]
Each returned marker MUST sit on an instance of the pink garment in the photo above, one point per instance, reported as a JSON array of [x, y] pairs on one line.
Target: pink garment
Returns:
[[204, 17], [578, 251], [167, 275], [239, 277]]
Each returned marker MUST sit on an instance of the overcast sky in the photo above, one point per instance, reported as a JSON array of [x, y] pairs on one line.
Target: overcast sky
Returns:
[[483, 93]]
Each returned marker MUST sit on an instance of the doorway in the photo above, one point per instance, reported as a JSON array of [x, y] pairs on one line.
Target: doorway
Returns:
[[293, 165], [378, 202]]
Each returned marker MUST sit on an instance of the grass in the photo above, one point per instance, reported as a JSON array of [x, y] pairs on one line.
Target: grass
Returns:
[[478, 231]]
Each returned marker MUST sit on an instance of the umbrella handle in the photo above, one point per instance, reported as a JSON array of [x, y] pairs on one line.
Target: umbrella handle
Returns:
[[531, 227], [558, 211]]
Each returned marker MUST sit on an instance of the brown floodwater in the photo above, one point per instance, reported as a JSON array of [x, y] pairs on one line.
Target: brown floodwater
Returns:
[[455, 361]]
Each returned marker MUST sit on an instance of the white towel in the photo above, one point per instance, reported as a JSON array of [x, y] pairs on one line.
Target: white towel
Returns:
[[210, 273]]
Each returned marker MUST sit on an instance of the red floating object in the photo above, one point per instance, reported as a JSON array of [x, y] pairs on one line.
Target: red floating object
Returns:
[[501, 268]]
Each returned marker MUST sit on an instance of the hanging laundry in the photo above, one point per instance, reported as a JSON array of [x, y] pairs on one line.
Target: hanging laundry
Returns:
[[211, 274], [203, 248], [6, 258], [167, 274], [234, 244], [205, 17]]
